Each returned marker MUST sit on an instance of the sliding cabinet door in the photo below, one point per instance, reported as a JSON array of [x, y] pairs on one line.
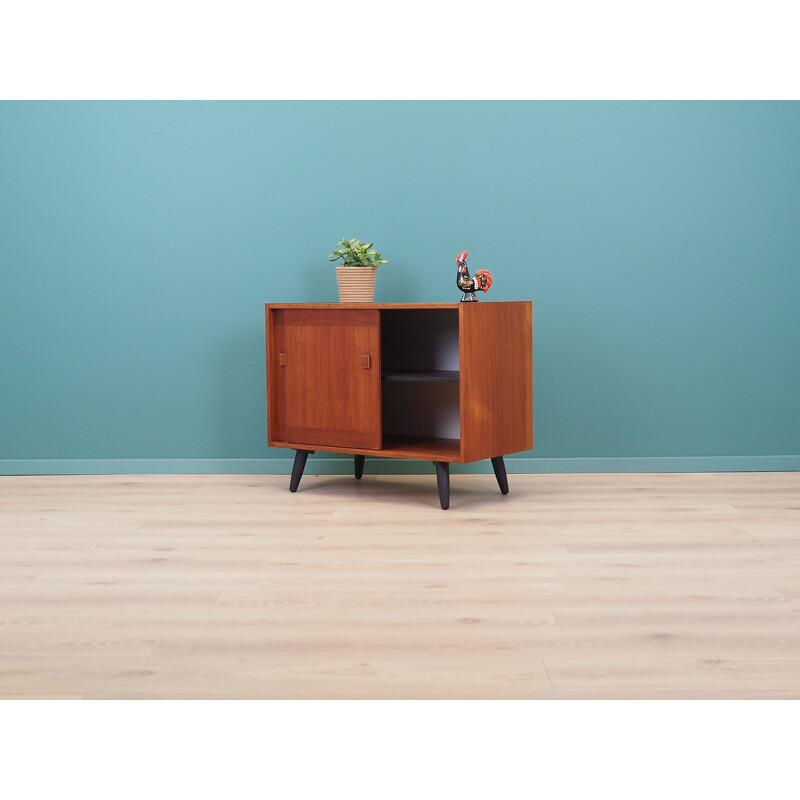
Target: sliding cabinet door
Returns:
[[327, 369]]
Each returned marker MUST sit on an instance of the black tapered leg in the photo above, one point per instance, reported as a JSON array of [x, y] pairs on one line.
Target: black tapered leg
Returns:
[[359, 466], [443, 481], [300, 458], [500, 473]]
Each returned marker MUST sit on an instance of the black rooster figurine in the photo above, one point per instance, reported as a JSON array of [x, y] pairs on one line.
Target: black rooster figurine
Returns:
[[481, 281]]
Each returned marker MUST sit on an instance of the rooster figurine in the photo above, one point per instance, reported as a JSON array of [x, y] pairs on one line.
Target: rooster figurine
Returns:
[[480, 282]]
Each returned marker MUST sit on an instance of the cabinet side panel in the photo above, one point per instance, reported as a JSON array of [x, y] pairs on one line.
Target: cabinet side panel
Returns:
[[496, 383], [275, 395]]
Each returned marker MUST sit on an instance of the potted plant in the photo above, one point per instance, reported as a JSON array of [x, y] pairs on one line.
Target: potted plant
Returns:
[[356, 274]]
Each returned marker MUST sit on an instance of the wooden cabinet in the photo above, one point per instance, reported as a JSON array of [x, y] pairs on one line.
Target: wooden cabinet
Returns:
[[443, 382]]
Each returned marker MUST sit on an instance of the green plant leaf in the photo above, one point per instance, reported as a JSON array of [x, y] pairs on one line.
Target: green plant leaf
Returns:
[[354, 253]]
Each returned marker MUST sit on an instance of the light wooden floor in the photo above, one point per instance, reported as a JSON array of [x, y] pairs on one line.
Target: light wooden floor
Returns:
[[592, 586]]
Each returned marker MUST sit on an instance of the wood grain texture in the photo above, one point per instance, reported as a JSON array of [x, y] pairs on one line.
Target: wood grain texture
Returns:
[[496, 382], [318, 400], [327, 397], [598, 586], [359, 306], [276, 406], [455, 305]]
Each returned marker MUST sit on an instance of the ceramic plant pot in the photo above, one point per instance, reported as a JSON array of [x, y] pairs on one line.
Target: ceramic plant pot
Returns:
[[356, 284]]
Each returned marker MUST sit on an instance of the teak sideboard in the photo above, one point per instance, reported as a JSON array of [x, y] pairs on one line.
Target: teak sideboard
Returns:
[[443, 382]]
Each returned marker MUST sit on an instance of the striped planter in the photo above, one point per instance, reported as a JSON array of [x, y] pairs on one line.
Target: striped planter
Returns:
[[356, 284]]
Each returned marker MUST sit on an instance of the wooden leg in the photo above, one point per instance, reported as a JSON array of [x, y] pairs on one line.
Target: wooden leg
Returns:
[[443, 481], [500, 473], [359, 466], [300, 457]]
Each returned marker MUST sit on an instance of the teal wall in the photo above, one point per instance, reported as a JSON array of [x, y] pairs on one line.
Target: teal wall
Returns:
[[659, 242]]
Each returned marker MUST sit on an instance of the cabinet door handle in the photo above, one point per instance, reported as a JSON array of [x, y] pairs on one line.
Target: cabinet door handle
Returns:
[[282, 359], [365, 362]]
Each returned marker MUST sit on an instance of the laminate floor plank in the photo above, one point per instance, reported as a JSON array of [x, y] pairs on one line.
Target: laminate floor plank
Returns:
[[229, 586]]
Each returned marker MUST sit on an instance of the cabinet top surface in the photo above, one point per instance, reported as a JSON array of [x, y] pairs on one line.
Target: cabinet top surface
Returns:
[[387, 305]]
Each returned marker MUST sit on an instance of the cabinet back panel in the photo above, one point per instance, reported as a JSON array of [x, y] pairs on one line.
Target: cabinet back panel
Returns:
[[421, 409]]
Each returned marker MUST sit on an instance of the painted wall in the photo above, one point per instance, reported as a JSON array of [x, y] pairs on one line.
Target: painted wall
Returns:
[[659, 242]]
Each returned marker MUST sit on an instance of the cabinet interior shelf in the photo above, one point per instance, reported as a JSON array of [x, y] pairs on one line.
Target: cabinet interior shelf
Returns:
[[427, 448], [421, 375], [422, 447]]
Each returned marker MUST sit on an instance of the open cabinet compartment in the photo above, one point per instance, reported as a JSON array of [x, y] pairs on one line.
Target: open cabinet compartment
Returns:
[[420, 380]]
